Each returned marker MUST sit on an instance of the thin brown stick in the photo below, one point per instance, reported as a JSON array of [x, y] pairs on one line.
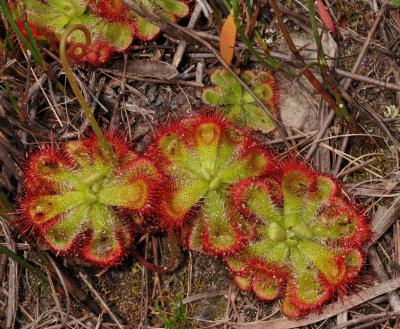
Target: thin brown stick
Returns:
[[366, 318], [357, 167], [287, 58], [374, 324], [23, 310], [352, 34], [103, 303], [73, 287], [144, 294], [12, 278], [204, 295], [250, 28], [376, 262], [346, 83], [228, 305], [366, 43], [308, 74], [189, 279], [183, 45], [58, 304], [396, 242], [27, 83], [384, 219], [3, 264], [154, 267], [362, 78], [60, 277], [367, 110], [17, 154], [156, 281], [320, 135], [153, 80], [342, 148]]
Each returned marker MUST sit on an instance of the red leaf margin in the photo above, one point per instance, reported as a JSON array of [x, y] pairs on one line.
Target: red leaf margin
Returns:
[[326, 18]]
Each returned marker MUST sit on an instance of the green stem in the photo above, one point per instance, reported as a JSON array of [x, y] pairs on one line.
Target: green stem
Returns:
[[265, 48], [333, 103], [271, 63], [314, 26], [36, 55], [249, 8], [24, 263], [35, 52], [31, 45], [235, 14], [340, 101], [227, 5], [5, 206], [330, 82], [12, 99], [217, 15], [106, 147], [8, 42]]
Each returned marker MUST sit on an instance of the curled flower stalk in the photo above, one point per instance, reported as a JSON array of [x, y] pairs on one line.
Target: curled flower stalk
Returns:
[[111, 24], [203, 156], [56, 16], [74, 195], [238, 105], [107, 149], [308, 243]]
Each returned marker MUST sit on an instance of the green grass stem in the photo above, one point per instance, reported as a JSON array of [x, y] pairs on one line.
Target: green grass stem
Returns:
[[34, 270], [85, 106], [271, 63], [342, 106], [31, 46]]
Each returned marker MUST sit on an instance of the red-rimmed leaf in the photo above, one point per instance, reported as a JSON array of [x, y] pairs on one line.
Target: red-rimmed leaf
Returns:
[[326, 18], [227, 39]]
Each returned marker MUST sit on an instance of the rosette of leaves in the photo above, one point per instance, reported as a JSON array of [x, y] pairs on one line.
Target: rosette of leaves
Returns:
[[308, 241], [203, 156], [55, 16], [74, 195], [237, 104]]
